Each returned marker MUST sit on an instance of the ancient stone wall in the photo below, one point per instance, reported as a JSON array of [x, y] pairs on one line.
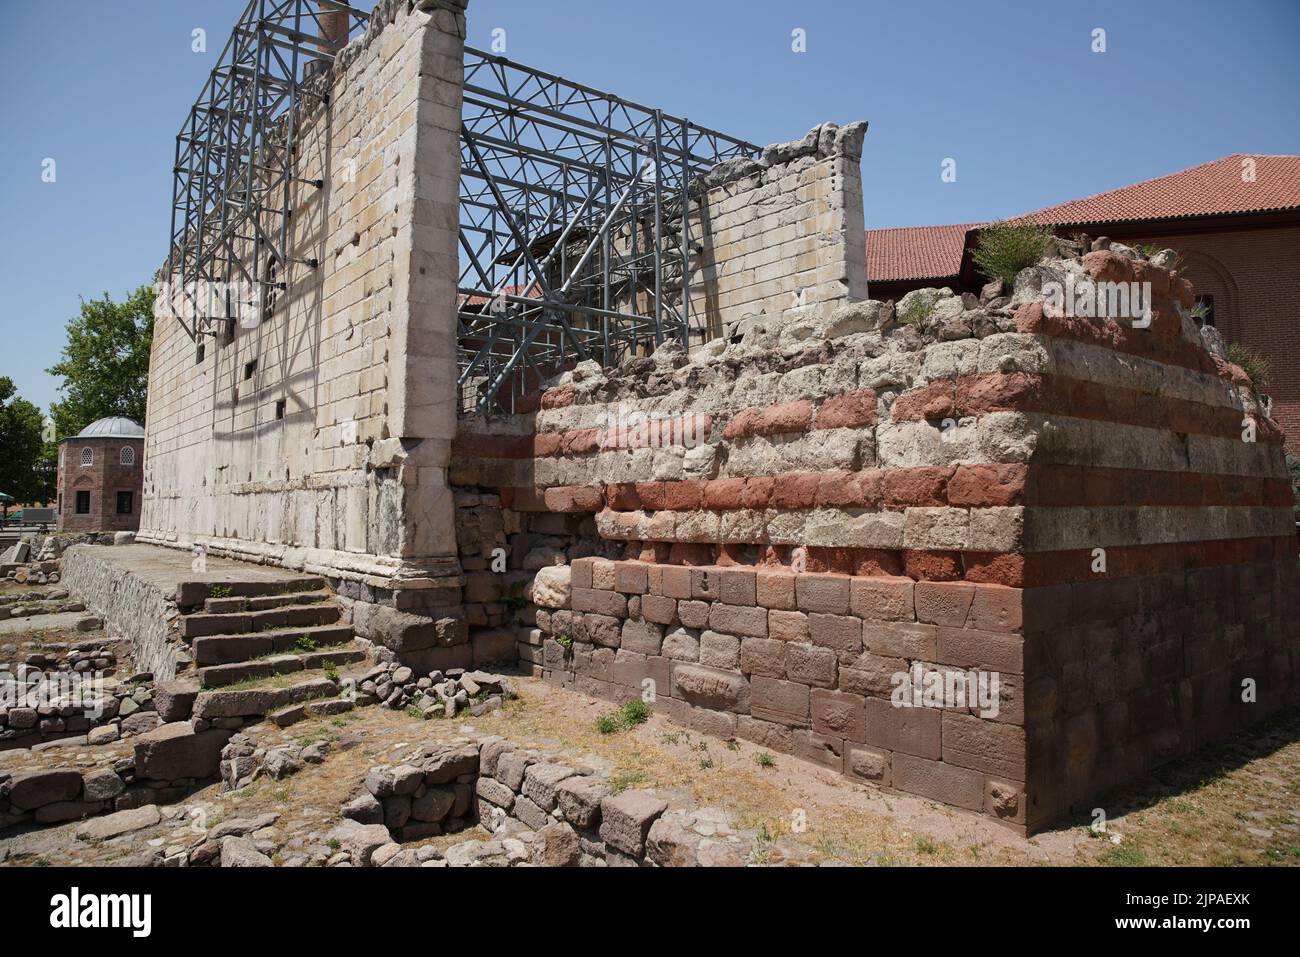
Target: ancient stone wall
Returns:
[[318, 437], [1095, 510], [779, 234]]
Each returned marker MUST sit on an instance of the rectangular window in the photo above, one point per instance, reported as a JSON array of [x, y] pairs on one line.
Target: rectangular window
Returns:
[[83, 503], [279, 409], [124, 503], [249, 369]]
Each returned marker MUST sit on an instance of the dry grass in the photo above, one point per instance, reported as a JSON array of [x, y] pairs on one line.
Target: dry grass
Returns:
[[1195, 811]]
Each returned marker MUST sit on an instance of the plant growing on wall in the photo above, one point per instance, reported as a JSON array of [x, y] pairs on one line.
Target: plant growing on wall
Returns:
[[1252, 363], [1002, 250]]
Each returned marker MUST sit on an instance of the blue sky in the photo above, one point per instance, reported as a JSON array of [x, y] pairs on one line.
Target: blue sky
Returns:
[[1010, 90]]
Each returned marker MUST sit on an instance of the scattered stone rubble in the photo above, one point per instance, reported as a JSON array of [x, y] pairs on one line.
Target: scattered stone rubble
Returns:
[[436, 694], [74, 697]]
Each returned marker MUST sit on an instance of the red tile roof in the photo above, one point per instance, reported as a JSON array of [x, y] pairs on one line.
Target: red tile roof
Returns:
[[1210, 189], [915, 252]]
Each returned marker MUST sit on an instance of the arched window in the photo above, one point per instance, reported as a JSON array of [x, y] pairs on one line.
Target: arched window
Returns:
[[128, 455], [87, 458]]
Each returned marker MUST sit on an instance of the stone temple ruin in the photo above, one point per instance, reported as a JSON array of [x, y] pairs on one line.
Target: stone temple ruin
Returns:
[[536, 376]]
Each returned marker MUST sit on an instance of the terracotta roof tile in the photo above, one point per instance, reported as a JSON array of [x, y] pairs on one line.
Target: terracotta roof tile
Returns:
[[915, 252], [1209, 189]]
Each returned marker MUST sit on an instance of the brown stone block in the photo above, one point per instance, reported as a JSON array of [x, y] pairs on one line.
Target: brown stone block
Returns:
[[937, 781], [841, 633], [599, 601], [826, 750], [677, 581], [997, 608], [811, 665], [1005, 800], [910, 730], [944, 603], [869, 765], [710, 688], [985, 650], [720, 724], [659, 609], [631, 578], [694, 614], [787, 625], [871, 675], [990, 746], [775, 589], [823, 593], [763, 656], [706, 584], [783, 702], [767, 734], [738, 586], [900, 640], [838, 714], [580, 572], [883, 599], [739, 620]]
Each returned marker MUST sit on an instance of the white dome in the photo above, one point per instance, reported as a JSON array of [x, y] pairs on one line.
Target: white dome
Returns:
[[112, 427]]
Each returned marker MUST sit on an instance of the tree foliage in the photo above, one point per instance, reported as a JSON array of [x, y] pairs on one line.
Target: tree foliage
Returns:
[[22, 471], [105, 362]]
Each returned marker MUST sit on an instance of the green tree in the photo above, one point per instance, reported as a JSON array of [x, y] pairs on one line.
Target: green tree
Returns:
[[21, 471], [105, 362]]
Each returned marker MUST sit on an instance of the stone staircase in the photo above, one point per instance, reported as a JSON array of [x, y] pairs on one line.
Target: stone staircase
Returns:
[[243, 632]]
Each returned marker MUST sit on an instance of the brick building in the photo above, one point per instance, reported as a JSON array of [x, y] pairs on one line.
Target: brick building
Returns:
[[1236, 222], [100, 477]]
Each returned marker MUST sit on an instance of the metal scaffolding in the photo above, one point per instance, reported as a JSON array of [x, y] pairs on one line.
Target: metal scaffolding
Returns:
[[573, 239], [234, 183], [574, 227]]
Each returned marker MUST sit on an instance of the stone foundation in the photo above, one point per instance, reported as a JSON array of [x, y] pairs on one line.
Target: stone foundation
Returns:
[[790, 524]]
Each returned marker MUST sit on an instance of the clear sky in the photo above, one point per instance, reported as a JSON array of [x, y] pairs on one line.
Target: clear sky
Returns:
[[1011, 91]]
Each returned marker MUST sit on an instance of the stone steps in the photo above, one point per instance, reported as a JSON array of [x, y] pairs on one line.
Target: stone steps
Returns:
[[191, 594], [256, 702], [263, 602], [232, 649], [319, 707], [204, 624], [218, 676]]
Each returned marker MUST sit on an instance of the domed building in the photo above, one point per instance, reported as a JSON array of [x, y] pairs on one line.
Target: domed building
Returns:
[[101, 477]]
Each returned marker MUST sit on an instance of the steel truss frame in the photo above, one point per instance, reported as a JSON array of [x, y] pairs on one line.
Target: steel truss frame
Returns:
[[573, 239], [234, 184]]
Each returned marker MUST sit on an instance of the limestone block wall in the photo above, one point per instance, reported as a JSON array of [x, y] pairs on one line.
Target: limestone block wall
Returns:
[[319, 437], [780, 234], [1095, 511]]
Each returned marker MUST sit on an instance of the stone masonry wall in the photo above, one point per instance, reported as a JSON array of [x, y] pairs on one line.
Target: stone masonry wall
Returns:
[[319, 439], [835, 499], [782, 233]]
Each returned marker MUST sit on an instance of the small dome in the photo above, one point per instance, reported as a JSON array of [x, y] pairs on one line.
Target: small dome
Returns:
[[112, 427]]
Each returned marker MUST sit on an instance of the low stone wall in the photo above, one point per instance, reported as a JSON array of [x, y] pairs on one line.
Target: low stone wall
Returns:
[[168, 762], [1092, 508], [47, 705], [540, 811], [131, 605]]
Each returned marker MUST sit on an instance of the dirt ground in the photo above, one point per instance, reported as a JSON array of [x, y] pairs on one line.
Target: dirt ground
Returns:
[[1232, 805]]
